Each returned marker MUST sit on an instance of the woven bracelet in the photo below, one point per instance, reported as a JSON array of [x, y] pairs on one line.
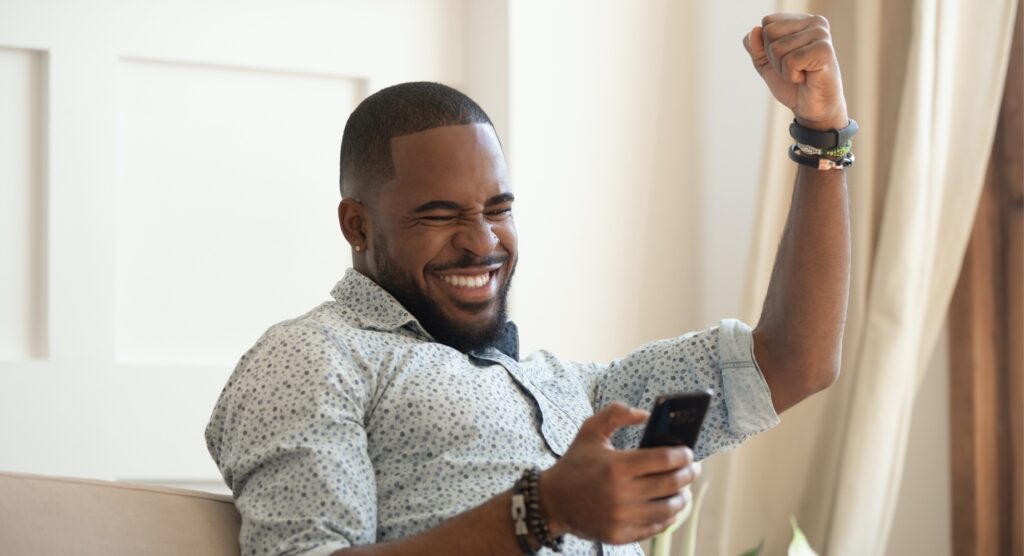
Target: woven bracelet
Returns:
[[820, 163], [836, 153], [519, 517]]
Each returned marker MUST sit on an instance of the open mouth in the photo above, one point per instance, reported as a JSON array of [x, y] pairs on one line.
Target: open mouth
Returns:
[[470, 285], [467, 281]]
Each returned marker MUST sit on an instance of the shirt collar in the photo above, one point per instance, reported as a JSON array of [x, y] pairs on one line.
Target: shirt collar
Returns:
[[379, 310]]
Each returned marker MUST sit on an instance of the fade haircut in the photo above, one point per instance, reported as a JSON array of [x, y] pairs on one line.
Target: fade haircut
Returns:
[[392, 112]]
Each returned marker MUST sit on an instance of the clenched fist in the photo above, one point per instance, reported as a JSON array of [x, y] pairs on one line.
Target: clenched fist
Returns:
[[616, 496], [794, 55]]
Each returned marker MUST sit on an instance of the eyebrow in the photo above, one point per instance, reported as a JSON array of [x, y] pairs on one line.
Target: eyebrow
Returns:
[[452, 205]]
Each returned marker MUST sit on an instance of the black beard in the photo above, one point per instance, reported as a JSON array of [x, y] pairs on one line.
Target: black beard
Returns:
[[402, 287]]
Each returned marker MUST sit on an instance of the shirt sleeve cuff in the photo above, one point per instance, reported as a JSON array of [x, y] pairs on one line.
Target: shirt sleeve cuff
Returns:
[[746, 394]]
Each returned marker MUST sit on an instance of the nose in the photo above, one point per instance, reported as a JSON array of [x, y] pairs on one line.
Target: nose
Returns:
[[477, 237]]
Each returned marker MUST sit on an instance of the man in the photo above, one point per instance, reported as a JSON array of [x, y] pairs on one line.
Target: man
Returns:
[[397, 418]]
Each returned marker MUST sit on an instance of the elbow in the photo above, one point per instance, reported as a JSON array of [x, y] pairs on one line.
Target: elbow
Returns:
[[825, 377]]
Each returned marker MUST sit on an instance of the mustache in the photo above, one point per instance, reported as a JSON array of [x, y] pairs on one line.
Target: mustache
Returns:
[[470, 261]]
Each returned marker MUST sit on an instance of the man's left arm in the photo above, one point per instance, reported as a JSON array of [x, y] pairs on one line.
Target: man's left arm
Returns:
[[797, 342]]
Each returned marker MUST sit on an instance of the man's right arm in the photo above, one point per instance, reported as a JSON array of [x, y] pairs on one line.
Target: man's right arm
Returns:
[[594, 492]]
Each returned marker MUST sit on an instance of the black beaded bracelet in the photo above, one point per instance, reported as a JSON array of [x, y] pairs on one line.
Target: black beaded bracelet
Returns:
[[534, 517]]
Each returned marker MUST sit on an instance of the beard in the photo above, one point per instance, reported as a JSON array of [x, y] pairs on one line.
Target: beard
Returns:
[[431, 315]]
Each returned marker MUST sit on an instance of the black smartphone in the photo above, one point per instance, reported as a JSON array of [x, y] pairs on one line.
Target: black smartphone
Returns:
[[676, 419]]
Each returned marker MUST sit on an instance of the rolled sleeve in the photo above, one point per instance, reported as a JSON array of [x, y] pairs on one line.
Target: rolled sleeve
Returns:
[[747, 398], [288, 437], [720, 358]]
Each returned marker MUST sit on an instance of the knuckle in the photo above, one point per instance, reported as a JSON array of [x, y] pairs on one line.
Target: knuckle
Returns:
[[821, 20], [683, 477], [787, 65]]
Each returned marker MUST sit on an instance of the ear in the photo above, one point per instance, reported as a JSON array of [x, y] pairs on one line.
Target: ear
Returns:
[[355, 223]]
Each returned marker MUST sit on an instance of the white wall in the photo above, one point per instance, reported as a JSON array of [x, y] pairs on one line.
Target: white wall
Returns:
[[602, 103]]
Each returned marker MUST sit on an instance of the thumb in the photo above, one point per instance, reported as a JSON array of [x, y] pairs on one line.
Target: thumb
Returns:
[[614, 416]]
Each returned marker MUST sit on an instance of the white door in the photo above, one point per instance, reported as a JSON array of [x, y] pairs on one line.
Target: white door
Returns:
[[168, 174]]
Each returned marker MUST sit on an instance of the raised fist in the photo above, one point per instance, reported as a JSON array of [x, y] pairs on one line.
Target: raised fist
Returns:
[[794, 55]]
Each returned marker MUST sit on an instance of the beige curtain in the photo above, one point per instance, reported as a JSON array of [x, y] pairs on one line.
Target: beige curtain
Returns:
[[924, 79]]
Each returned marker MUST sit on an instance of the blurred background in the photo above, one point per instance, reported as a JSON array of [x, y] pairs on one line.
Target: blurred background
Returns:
[[168, 174]]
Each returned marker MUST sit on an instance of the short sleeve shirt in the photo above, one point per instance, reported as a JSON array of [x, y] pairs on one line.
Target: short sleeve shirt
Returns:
[[349, 425]]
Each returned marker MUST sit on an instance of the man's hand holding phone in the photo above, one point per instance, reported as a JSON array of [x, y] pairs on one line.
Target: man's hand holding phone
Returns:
[[616, 496]]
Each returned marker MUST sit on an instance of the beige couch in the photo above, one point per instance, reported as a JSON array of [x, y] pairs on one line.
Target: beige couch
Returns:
[[54, 515]]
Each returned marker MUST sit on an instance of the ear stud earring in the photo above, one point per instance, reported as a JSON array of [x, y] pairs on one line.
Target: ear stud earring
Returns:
[[358, 248]]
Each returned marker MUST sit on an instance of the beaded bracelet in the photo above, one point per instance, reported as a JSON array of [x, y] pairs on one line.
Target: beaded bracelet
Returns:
[[526, 504], [534, 518]]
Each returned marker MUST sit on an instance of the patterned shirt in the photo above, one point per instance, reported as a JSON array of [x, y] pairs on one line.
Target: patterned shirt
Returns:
[[349, 425]]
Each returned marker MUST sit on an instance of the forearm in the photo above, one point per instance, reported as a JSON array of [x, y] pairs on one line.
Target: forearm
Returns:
[[799, 336], [485, 529]]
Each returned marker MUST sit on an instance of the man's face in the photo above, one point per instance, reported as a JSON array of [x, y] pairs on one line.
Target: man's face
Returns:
[[443, 239]]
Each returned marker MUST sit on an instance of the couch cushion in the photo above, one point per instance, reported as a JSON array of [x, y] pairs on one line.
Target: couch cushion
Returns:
[[55, 515]]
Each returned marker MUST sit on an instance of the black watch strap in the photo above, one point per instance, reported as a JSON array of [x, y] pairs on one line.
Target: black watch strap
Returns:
[[823, 139]]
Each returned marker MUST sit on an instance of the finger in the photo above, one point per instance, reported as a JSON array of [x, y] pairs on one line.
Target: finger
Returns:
[[645, 531], [616, 415], [813, 57], [647, 461], [778, 29], [754, 43], [785, 24], [785, 45], [654, 512], [666, 484]]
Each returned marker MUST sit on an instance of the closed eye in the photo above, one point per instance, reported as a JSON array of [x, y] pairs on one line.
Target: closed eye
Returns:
[[500, 213]]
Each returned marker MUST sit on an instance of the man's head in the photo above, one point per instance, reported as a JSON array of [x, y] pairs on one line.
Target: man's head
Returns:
[[426, 207]]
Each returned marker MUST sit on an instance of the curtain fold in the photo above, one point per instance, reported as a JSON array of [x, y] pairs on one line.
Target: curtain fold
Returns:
[[924, 79]]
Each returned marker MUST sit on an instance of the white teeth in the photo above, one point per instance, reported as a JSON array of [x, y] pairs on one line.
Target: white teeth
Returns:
[[467, 281]]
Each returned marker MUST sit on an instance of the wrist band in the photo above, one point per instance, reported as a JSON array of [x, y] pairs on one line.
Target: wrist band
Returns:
[[527, 495], [829, 139], [519, 517], [821, 163]]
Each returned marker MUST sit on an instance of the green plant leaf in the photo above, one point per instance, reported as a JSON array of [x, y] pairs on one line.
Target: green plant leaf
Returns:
[[756, 550], [661, 544], [690, 548], [799, 545]]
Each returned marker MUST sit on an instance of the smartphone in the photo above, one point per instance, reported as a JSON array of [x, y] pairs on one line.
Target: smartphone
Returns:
[[676, 419]]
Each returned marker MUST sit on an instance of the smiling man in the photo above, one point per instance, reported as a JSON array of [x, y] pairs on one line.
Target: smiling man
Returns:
[[399, 418]]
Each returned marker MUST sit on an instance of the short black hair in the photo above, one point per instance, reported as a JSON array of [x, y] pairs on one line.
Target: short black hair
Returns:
[[392, 112]]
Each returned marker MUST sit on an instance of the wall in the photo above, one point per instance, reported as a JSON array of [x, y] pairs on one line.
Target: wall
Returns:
[[169, 176], [601, 104]]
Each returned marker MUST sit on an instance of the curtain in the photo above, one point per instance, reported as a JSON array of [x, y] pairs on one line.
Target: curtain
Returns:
[[924, 79]]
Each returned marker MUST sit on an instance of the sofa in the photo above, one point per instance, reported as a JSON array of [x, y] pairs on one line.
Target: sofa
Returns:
[[42, 515]]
